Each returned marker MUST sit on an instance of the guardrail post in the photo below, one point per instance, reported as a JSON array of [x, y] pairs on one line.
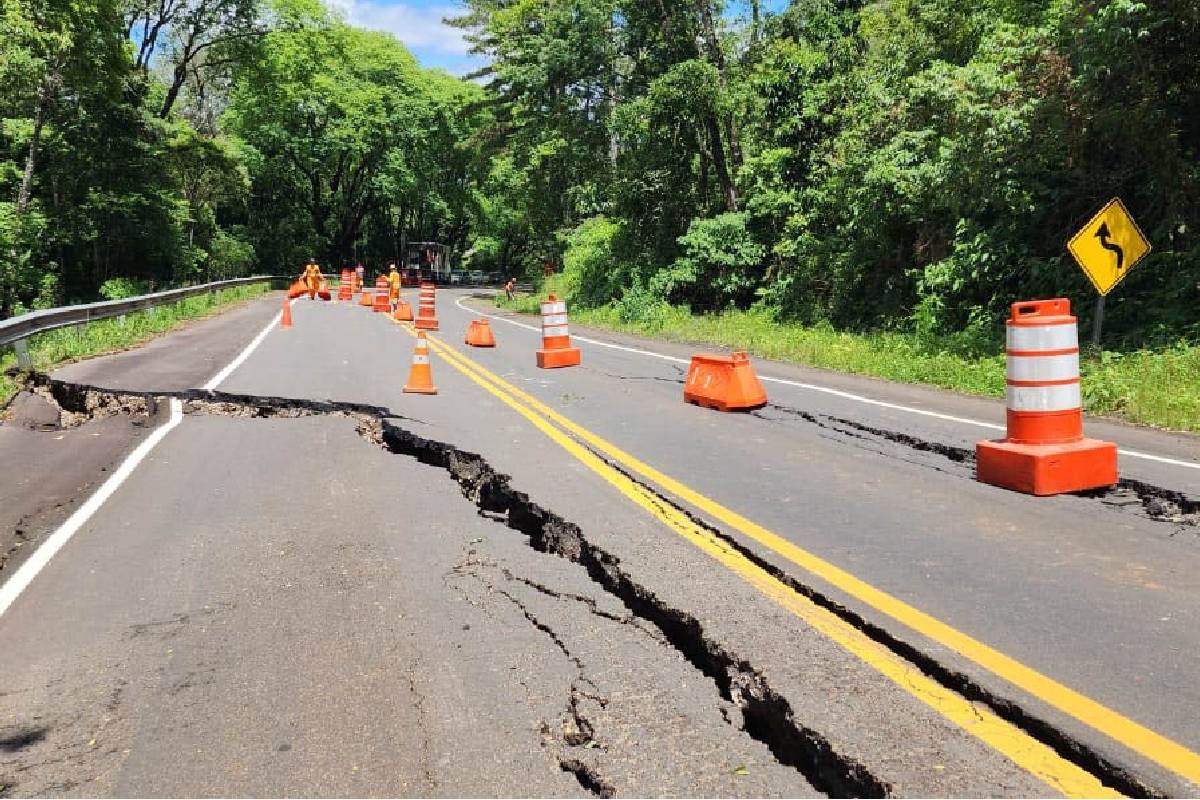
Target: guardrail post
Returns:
[[23, 359]]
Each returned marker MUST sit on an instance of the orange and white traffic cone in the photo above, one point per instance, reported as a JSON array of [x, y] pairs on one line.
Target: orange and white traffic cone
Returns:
[[285, 318], [479, 334], [427, 308], [420, 377], [1045, 451], [556, 337]]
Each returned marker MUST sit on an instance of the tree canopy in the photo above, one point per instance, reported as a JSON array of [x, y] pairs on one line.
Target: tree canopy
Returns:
[[873, 164]]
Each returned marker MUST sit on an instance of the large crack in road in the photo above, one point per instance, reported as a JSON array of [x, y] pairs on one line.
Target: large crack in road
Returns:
[[766, 716], [1156, 503]]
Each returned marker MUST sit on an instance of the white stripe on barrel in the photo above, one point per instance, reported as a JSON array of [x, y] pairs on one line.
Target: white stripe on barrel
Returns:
[[1044, 368], [1059, 397], [1035, 338]]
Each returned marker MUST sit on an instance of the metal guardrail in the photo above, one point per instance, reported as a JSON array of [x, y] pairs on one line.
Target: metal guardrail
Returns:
[[14, 331]]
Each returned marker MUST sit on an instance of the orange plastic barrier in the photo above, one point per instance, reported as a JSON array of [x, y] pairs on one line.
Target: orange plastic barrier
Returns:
[[726, 383], [556, 337], [1045, 451], [427, 308], [479, 334], [285, 319], [403, 312], [365, 299], [420, 377]]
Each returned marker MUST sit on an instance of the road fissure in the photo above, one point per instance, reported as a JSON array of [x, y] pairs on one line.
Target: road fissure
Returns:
[[1156, 503], [768, 717]]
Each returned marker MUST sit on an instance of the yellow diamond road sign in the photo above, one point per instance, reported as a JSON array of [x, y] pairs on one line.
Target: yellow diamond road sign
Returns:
[[1109, 246]]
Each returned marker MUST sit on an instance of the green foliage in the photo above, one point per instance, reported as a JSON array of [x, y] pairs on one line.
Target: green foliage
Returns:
[[593, 271], [720, 265], [120, 288], [914, 165]]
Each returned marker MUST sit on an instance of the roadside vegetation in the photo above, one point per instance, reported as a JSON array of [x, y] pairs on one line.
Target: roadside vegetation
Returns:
[[55, 348], [862, 185], [859, 186]]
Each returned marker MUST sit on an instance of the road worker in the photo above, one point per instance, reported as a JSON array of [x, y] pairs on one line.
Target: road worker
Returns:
[[508, 289], [360, 273], [393, 280], [312, 279]]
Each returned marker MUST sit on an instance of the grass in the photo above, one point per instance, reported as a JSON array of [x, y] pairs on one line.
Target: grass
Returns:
[[54, 348], [1159, 388]]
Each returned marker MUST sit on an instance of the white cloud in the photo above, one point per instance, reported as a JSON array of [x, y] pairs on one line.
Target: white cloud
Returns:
[[420, 27]]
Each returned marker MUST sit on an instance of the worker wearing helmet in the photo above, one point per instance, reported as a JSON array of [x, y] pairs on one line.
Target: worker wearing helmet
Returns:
[[393, 280]]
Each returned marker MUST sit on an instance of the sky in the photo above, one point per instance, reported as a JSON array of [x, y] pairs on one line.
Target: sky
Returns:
[[417, 23]]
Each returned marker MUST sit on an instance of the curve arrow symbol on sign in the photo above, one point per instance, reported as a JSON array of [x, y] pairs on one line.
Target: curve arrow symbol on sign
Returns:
[[1103, 235]]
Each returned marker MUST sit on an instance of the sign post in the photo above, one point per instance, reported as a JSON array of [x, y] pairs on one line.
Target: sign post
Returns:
[[1107, 249]]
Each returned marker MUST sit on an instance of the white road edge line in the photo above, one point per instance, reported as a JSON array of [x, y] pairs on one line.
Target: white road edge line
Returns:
[[20, 580], [242, 356], [835, 392]]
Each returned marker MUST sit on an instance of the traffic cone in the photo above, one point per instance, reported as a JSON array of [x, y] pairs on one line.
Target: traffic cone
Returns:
[[427, 308], [420, 377], [403, 312], [1044, 451], [479, 334], [556, 337], [285, 320], [726, 383]]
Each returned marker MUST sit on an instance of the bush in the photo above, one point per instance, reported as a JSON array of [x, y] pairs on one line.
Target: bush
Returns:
[[120, 288], [231, 257], [721, 265], [594, 271]]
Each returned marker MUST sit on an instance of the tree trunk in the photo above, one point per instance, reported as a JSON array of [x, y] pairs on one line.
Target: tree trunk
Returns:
[[728, 190], [45, 99], [718, 60]]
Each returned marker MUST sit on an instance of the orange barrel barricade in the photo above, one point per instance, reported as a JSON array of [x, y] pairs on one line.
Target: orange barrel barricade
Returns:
[[381, 301], [346, 286], [420, 377], [479, 334], [1045, 451], [427, 308], [726, 383], [556, 337]]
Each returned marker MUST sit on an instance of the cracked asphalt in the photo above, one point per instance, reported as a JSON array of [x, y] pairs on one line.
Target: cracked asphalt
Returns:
[[278, 604]]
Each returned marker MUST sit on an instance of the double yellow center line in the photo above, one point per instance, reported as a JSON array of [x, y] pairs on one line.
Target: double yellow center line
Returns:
[[976, 719]]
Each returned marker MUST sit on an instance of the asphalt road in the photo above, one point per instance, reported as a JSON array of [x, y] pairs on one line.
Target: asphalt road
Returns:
[[314, 602]]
